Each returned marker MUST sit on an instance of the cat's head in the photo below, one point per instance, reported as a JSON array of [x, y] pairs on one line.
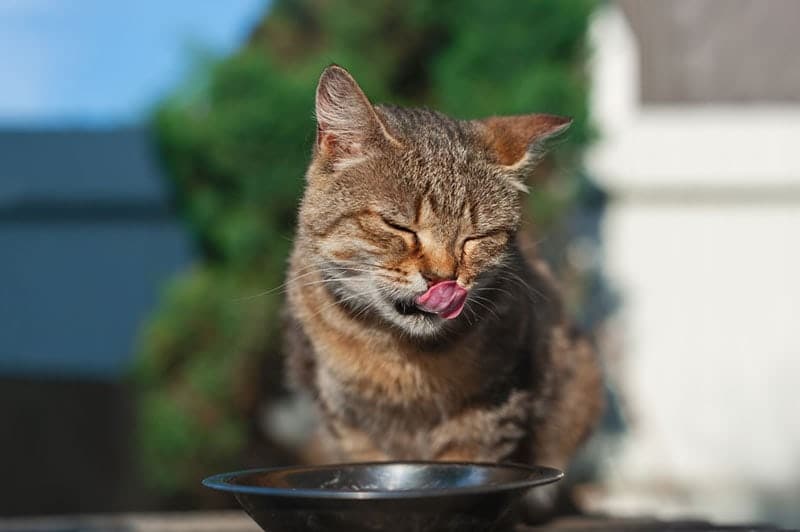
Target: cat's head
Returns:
[[408, 213]]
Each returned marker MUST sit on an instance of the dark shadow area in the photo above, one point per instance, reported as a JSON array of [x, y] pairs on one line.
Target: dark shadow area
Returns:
[[66, 447]]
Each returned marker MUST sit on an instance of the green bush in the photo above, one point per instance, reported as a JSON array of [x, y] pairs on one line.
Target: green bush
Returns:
[[235, 150]]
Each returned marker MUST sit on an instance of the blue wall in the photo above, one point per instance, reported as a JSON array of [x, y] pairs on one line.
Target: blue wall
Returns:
[[87, 241]]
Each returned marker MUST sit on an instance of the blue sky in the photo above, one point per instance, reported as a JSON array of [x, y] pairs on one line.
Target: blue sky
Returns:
[[106, 61]]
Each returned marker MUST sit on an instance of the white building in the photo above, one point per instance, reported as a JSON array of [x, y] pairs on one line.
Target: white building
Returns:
[[698, 105]]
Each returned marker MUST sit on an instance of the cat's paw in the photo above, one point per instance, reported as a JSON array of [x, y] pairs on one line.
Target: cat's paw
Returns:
[[486, 435], [509, 425]]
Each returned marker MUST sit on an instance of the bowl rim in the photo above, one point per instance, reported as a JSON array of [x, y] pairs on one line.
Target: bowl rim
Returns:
[[537, 476]]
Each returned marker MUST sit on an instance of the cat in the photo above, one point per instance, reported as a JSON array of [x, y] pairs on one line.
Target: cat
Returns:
[[413, 319]]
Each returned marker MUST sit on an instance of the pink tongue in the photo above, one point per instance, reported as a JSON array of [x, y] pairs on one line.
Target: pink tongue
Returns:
[[445, 299]]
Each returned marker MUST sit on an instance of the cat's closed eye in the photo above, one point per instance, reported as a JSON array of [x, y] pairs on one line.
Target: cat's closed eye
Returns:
[[498, 234], [397, 226], [490, 242]]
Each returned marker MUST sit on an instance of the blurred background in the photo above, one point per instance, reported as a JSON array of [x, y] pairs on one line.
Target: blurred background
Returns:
[[151, 158]]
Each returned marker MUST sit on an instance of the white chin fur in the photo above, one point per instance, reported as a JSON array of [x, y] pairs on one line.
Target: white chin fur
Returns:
[[416, 325], [421, 326]]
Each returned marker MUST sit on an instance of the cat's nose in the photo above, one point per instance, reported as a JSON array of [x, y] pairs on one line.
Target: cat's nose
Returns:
[[438, 265], [434, 278]]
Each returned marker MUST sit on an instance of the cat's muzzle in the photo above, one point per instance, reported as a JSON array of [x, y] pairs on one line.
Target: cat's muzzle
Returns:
[[409, 308]]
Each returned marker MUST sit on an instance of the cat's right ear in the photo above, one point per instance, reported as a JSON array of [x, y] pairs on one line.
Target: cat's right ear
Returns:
[[516, 142], [348, 127]]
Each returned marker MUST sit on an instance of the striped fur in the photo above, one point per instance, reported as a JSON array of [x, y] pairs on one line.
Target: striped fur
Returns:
[[397, 197]]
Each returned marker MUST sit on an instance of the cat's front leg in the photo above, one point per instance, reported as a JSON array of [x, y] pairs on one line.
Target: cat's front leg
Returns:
[[349, 444], [484, 434]]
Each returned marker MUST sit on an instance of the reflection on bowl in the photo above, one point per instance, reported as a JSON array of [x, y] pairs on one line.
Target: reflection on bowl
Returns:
[[384, 496]]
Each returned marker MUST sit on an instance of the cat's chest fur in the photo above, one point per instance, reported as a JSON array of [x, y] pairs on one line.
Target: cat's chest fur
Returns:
[[367, 370], [383, 397]]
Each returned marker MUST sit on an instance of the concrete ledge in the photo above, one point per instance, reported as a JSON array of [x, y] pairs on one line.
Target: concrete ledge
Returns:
[[236, 521]]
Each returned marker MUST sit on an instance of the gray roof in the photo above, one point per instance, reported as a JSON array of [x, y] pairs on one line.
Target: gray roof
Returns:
[[64, 166], [704, 51]]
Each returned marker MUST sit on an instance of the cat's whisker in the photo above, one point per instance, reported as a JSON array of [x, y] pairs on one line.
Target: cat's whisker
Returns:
[[334, 303], [341, 262], [467, 312], [283, 286], [490, 301], [477, 301], [492, 289], [364, 309], [336, 280], [511, 276], [280, 287], [347, 267]]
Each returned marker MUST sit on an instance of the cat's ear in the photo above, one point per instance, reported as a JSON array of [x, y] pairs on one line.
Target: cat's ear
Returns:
[[517, 141], [347, 125]]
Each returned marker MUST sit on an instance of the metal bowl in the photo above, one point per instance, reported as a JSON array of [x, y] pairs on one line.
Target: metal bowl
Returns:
[[384, 496]]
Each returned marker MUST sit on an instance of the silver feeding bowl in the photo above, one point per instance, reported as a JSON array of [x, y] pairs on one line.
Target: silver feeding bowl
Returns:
[[384, 496]]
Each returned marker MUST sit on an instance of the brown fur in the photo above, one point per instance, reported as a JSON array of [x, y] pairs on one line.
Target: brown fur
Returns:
[[397, 198], [510, 136]]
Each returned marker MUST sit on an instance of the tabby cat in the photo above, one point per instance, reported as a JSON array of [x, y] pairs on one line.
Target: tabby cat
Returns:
[[413, 320]]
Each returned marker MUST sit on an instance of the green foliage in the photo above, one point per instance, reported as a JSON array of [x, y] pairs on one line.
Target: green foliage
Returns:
[[235, 151]]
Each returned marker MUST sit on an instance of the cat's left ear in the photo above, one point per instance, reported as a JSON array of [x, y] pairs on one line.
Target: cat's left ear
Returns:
[[517, 141], [348, 127]]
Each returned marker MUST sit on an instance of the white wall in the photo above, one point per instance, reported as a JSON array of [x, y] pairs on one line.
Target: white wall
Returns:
[[702, 239]]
